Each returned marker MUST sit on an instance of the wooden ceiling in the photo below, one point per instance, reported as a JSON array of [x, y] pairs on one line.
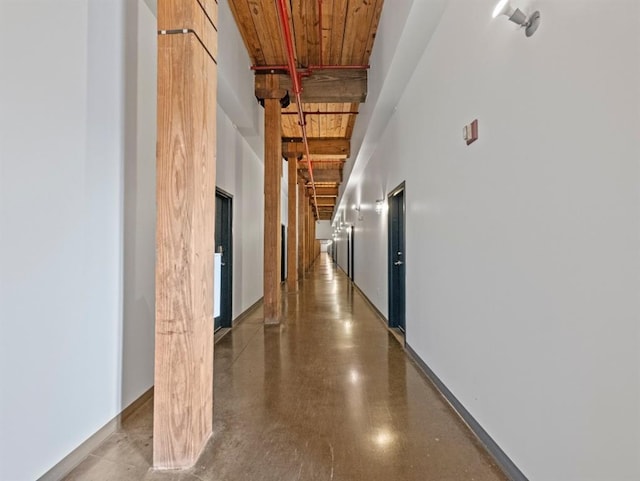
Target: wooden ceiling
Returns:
[[333, 41]]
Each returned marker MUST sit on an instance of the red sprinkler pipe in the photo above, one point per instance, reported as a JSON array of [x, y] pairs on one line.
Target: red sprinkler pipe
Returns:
[[309, 70], [344, 112], [297, 88]]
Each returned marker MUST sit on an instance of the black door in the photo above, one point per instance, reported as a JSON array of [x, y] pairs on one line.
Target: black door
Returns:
[[224, 246], [351, 253], [397, 259]]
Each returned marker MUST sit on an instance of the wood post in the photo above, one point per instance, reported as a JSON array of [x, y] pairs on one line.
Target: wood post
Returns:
[[310, 222], [186, 164], [272, 169], [302, 202], [292, 241]]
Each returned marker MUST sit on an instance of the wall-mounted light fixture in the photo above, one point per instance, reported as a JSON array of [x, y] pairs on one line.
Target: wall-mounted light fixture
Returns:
[[379, 206], [529, 23]]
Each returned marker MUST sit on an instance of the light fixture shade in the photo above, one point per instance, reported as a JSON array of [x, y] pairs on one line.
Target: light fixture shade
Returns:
[[503, 8], [516, 15]]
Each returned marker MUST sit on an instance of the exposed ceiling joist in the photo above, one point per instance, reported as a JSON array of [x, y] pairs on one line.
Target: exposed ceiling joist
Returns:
[[326, 192], [332, 86], [322, 86], [292, 146]]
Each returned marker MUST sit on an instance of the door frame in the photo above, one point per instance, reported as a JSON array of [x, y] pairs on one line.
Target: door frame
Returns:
[[226, 301], [391, 297]]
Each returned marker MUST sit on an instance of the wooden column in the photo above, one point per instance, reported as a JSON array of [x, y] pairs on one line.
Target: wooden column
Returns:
[[310, 221], [272, 168], [292, 228], [302, 201], [185, 182]]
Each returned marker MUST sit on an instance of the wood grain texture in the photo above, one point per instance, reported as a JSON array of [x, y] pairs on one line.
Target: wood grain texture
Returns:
[[272, 233], [242, 16], [191, 15], [331, 86], [187, 77], [337, 31], [302, 202], [299, 16], [292, 226], [325, 146]]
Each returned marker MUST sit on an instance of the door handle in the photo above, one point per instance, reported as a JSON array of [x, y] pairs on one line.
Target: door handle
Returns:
[[398, 263]]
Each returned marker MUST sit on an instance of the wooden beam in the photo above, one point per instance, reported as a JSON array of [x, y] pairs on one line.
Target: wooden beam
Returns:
[[292, 241], [334, 176], [272, 233], [325, 201], [330, 86], [265, 88], [302, 202], [185, 183], [326, 191], [322, 165], [294, 147]]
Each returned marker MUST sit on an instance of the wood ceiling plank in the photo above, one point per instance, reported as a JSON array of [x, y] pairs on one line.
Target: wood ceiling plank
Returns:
[[331, 121], [299, 16], [351, 123], [313, 36], [246, 25], [322, 120], [359, 29], [338, 122], [313, 126], [373, 29], [267, 35], [340, 8], [356, 30], [327, 29], [353, 17]]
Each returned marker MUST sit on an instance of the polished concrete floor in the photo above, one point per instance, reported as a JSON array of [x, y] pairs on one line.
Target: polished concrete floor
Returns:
[[327, 395]]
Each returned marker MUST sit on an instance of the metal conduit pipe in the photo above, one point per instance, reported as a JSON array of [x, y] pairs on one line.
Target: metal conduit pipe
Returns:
[[309, 69], [297, 89]]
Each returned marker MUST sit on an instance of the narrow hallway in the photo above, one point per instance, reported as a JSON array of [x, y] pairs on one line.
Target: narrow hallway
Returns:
[[327, 395]]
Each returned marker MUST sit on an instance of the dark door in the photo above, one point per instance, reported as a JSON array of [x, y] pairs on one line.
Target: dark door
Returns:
[[224, 246], [349, 252], [352, 252], [397, 258]]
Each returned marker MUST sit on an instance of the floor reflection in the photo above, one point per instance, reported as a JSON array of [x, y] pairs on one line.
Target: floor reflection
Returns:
[[327, 395]]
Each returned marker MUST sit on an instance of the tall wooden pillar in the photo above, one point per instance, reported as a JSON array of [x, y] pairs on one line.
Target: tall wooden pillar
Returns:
[[302, 201], [310, 221], [272, 167], [292, 228], [185, 182]]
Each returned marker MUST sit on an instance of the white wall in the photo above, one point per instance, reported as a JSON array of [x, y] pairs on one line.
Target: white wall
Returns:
[[63, 150], [522, 249], [240, 173], [139, 202]]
